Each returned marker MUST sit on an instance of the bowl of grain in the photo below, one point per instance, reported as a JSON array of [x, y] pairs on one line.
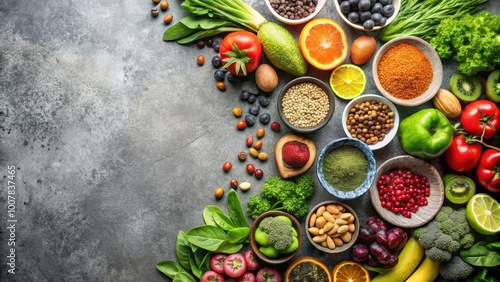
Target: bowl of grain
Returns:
[[346, 168], [294, 12], [372, 119], [373, 16], [407, 71], [306, 104]]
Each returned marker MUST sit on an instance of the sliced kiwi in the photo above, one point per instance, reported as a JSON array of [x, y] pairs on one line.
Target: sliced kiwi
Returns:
[[458, 188], [493, 86], [466, 88]]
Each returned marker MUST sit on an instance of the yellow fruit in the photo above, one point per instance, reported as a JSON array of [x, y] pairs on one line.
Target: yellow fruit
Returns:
[[348, 81], [428, 271], [447, 103]]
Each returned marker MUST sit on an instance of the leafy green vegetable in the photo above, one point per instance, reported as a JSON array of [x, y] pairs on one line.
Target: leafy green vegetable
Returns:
[[281, 194], [235, 210], [480, 255], [183, 250], [238, 235], [173, 270], [420, 17], [207, 237], [208, 214], [473, 41], [223, 221]]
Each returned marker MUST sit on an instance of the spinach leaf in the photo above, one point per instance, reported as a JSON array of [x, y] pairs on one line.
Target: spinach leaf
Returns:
[[177, 31], [199, 264], [208, 214], [494, 246], [207, 237], [235, 210], [183, 277], [183, 250], [229, 248], [207, 33], [169, 268], [238, 234], [197, 22], [480, 255], [223, 221]]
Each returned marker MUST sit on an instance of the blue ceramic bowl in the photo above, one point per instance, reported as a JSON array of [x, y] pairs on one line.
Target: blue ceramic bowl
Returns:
[[372, 168]]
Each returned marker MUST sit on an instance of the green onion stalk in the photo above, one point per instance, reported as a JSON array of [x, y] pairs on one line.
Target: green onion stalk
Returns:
[[420, 18]]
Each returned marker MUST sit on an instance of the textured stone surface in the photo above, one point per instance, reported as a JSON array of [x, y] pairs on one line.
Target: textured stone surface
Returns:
[[118, 138]]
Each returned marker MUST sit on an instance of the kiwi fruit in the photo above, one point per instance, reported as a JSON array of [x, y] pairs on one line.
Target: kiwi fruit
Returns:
[[493, 86], [458, 189], [466, 88]]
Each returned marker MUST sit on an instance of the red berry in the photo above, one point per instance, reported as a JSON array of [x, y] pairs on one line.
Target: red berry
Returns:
[[275, 126], [259, 173], [227, 166], [241, 125], [250, 168]]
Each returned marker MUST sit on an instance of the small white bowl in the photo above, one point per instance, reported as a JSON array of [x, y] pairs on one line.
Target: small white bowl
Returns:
[[437, 68], [369, 97], [395, 3], [319, 6]]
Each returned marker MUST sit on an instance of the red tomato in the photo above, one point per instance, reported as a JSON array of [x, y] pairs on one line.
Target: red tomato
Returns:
[[235, 265], [462, 156], [479, 115], [212, 276], [268, 274], [217, 263], [247, 277], [240, 52], [251, 260], [488, 170]]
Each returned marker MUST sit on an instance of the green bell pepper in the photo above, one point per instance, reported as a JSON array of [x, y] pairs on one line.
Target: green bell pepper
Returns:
[[426, 133]]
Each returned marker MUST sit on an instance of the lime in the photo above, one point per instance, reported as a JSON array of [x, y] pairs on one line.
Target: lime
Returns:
[[483, 214], [348, 81]]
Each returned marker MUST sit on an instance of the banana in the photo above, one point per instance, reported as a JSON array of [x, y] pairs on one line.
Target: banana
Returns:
[[426, 272], [408, 260]]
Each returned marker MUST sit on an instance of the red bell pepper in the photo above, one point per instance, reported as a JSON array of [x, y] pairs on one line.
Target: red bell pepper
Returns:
[[463, 154], [488, 170]]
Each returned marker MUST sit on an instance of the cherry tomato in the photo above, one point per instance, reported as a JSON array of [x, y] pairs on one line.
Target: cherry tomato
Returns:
[[217, 263], [488, 170], [481, 115], [247, 277], [212, 276], [235, 265], [462, 156], [251, 260], [268, 274], [240, 52]]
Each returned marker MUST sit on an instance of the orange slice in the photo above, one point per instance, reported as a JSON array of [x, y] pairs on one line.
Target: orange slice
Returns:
[[323, 43], [350, 271]]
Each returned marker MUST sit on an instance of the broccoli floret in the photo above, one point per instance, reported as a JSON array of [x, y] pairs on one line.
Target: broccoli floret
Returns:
[[455, 269], [438, 254], [266, 224], [280, 236], [445, 242], [443, 214], [467, 241], [428, 240]]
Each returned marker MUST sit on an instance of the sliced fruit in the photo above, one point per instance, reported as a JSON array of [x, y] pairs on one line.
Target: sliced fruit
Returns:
[[466, 88], [493, 86], [458, 188], [483, 214], [323, 43], [349, 271], [348, 81]]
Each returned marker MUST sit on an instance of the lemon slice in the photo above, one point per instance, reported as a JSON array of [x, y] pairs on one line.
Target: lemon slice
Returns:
[[348, 81], [483, 214]]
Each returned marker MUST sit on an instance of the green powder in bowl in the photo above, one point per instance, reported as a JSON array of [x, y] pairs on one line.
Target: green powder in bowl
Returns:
[[345, 168]]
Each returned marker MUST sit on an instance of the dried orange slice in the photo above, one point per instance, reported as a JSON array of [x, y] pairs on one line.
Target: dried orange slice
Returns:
[[350, 271], [323, 43]]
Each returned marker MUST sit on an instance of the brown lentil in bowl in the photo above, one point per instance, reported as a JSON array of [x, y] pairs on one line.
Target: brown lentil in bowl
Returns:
[[305, 104], [370, 121]]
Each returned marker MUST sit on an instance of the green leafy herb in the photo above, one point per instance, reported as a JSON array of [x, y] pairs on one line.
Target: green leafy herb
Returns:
[[172, 269], [235, 210], [183, 250], [207, 237], [238, 235], [480, 255], [208, 214], [223, 221]]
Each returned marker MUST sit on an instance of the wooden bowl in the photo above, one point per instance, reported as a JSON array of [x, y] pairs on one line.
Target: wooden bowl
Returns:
[[255, 247], [429, 52], [424, 213], [319, 264], [319, 6]]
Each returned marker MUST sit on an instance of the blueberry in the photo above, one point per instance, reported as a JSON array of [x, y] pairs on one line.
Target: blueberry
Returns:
[[383, 20], [354, 3], [353, 17], [219, 75], [376, 17], [265, 118], [232, 78], [254, 110], [210, 42], [387, 11], [364, 5], [264, 101], [363, 16], [385, 2], [244, 95], [216, 47], [252, 98], [250, 119], [216, 62], [376, 8], [345, 7], [368, 24]]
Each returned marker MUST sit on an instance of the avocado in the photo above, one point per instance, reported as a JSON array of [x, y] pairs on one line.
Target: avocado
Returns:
[[281, 49]]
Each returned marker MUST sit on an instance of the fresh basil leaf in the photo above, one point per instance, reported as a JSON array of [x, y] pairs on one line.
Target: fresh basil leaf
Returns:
[[183, 277], [207, 237], [183, 250], [193, 266], [207, 33], [229, 248], [169, 268], [223, 221], [208, 214], [235, 210], [205, 263], [238, 235], [480, 255]]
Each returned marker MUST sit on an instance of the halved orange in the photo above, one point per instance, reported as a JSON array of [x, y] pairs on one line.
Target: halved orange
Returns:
[[350, 271], [323, 43]]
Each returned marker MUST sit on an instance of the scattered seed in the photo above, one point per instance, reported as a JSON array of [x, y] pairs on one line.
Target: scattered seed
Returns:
[[200, 60]]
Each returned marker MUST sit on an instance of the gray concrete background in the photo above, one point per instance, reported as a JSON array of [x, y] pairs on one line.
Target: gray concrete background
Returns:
[[118, 138]]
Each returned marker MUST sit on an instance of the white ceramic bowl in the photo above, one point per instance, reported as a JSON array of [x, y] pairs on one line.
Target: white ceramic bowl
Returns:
[[395, 3], [369, 97], [319, 6], [434, 59]]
